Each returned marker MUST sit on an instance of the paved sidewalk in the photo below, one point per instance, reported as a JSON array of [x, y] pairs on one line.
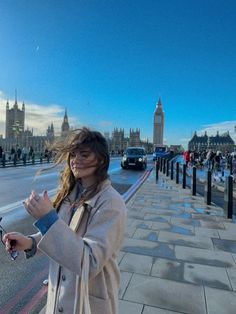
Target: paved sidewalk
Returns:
[[179, 255]]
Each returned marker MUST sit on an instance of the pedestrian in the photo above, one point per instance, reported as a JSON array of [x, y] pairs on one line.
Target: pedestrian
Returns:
[[86, 212]]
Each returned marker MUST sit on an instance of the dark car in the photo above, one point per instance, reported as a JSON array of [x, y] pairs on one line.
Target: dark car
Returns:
[[134, 157]]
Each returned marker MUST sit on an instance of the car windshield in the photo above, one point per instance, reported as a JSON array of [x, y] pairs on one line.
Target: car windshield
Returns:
[[135, 151]]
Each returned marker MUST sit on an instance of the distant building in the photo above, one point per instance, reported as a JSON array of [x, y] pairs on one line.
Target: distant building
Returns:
[[158, 124], [15, 120], [134, 137], [65, 128], [17, 136], [222, 142], [118, 141]]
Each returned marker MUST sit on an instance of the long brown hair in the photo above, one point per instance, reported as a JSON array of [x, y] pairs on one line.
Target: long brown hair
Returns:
[[80, 139]]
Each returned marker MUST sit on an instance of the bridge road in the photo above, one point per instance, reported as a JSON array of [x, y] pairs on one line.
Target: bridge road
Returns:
[[21, 279]]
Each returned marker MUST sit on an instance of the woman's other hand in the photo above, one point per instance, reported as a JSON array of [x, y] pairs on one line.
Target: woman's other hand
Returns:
[[21, 242], [38, 206]]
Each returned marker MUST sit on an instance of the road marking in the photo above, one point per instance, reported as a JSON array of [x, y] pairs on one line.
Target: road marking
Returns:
[[10, 207]]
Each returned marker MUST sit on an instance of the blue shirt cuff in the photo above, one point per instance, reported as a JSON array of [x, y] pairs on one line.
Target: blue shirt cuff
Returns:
[[45, 222]]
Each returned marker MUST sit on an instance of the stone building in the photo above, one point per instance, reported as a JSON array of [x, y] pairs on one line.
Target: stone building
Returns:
[[222, 142], [134, 137], [65, 127], [158, 124], [16, 135]]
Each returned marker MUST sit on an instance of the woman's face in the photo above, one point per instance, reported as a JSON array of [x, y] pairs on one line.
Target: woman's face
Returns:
[[83, 164]]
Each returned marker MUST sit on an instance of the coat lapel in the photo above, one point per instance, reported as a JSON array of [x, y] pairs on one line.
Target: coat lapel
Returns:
[[77, 217]]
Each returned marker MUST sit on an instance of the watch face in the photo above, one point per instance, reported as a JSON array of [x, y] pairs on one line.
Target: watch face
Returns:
[[157, 119]]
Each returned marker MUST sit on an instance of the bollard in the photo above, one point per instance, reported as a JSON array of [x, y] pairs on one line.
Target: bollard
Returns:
[[231, 167], [184, 176], [24, 159], [228, 197], [194, 180], [3, 160], [164, 165], [161, 164], [172, 170], [177, 173], [15, 159], [33, 159], [157, 169], [207, 190], [167, 167]]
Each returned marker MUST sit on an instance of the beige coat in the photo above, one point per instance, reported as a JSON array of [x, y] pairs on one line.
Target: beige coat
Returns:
[[64, 246]]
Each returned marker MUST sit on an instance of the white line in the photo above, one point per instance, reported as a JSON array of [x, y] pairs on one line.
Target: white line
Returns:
[[10, 207]]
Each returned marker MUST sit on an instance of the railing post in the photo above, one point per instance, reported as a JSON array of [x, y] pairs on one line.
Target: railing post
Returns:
[[15, 159], [3, 159], [207, 191], [228, 197], [172, 170], [164, 165], [184, 177], [167, 167], [161, 162], [194, 177], [157, 169], [177, 173]]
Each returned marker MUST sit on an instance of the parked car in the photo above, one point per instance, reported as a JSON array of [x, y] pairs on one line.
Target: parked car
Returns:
[[134, 157]]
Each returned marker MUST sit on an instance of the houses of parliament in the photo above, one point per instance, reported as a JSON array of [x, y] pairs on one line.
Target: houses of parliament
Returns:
[[17, 136]]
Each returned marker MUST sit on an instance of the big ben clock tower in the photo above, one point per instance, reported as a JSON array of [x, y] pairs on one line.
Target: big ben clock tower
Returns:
[[158, 124]]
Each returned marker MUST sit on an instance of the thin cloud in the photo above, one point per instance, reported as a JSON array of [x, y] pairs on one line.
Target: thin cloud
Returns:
[[37, 117]]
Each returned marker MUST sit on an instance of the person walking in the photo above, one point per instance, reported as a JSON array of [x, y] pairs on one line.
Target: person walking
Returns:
[[87, 212]]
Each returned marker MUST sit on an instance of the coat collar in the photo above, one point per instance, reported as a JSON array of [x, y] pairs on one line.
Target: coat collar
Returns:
[[78, 215]]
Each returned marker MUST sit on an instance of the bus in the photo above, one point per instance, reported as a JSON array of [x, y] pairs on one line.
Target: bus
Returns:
[[160, 151]]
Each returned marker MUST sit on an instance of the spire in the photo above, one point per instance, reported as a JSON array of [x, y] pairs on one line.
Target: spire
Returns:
[[65, 124], [159, 104], [7, 105], [15, 104], [23, 106]]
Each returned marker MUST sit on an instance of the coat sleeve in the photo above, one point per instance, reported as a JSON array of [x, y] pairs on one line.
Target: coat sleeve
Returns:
[[104, 237]]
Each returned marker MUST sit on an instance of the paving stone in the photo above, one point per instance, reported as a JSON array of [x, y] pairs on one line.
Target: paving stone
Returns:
[[212, 224], [205, 257], [187, 223], [220, 301], [144, 234], [161, 224], [129, 231], [210, 233], [148, 248], [232, 277], [168, 269], [156, 310], [224, 245], [126, 307], [135, 263], [186, 240], [124, 281], [211, 276], [166, 294], [120, 256], [227, 234]]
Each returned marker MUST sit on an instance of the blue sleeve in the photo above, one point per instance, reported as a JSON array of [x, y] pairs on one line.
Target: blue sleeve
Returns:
[[45, 222]]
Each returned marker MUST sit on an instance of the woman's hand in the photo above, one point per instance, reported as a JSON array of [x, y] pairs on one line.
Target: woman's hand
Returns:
[[21, 242], [37, 206]]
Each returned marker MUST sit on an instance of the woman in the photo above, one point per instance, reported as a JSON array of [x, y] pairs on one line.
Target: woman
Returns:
[[86, 211]]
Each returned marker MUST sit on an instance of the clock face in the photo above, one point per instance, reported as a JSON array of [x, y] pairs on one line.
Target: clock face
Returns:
[[157, 119]]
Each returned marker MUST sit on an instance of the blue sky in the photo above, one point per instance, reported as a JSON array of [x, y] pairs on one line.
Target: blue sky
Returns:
[[108, 62]]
